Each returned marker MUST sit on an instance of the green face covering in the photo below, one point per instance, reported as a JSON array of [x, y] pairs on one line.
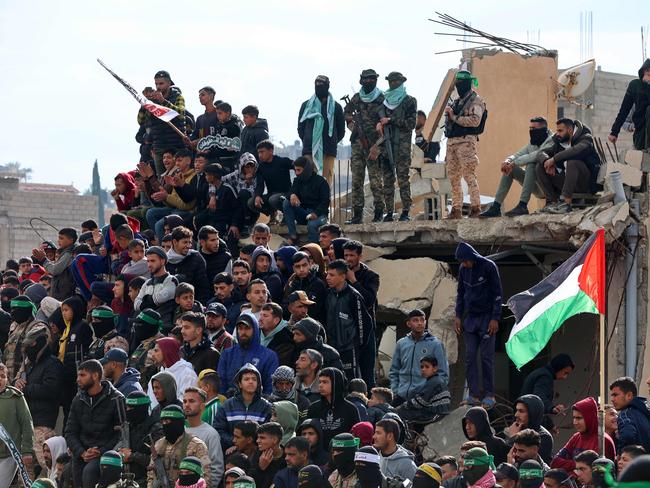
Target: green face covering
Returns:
[[392, 98]]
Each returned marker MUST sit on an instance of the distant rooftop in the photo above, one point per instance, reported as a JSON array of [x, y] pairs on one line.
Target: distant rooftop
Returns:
[[49, 188]]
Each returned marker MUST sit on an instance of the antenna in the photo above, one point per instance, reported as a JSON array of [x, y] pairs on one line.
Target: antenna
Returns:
[[644, 44]]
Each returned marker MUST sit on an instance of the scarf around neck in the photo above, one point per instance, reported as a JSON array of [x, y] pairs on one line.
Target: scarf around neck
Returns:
[[392, 98], [173, 257], [486, 481], [313, 111], [369, 97]]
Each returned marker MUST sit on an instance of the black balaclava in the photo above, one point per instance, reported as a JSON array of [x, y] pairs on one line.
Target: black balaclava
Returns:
[[22, 309], [176, 427], [348, 445], [599, 469], [103, 321], [110, 465], [321, 89], [193, 465], [477, 464], [311, 476], [368, 84], [33, 349], [428, 475], [138, 403], [366, 465], [146, 325], [538, 136], [463, 87]]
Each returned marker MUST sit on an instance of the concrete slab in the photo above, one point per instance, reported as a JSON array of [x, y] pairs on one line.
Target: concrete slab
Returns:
[[445, 436]]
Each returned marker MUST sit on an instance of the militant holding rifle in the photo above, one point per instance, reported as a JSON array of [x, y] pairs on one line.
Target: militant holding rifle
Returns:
[[161, 480], [387, 139], [357, 131], [125, 431]]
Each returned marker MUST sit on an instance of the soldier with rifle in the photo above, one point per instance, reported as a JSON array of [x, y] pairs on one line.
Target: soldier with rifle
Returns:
[[362, 116], [397, 121]]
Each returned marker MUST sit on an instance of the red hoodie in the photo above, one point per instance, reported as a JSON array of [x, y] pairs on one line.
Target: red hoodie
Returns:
[[124, 200], [583, 441]]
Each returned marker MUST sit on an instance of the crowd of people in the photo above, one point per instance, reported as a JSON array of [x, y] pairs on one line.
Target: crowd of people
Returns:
[[160, 350]]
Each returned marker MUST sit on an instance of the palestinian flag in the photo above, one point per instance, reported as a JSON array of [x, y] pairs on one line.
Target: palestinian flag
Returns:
[[577, 286]]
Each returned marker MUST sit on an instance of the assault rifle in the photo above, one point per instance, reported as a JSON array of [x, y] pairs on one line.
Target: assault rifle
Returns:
[[125, 433], [387, 139], [357, 132], [161, 480]]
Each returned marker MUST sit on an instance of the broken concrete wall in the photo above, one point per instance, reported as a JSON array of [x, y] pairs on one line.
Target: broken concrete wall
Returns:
[[515, 89]]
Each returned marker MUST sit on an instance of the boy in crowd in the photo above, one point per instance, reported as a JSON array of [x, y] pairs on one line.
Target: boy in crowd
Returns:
[[185, 302], [427, 400]]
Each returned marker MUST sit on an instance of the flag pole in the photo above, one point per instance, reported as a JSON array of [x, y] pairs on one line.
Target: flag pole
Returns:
[[603, 393]]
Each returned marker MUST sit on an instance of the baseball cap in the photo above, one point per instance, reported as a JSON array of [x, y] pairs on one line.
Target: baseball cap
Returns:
[[216, 308], [247, 319], [300, 296], [163, 74], [116, 354]]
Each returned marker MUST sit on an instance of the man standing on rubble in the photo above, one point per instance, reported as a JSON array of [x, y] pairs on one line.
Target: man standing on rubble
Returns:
[[521, 167], [465, 121], [637, 95], [398, 114], [362, 115]]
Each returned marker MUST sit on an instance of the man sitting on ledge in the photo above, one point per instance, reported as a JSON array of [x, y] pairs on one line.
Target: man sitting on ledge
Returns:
[[569, 166]]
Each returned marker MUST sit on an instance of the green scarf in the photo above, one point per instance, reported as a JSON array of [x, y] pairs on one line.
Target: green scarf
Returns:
[[312, 111], [392, 98], [266, 339], [370, 97]]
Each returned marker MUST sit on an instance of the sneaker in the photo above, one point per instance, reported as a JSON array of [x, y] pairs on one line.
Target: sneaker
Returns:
[[562, 208], [388, 217], [404, 217], [493, 211], [518, 210], [549, 207]]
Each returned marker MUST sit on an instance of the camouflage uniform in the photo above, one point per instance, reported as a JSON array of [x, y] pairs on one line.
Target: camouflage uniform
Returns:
[[13, 353], [368, 117], [461, 157], [173, 454], [141, 361], [100, 346], [402, 123]]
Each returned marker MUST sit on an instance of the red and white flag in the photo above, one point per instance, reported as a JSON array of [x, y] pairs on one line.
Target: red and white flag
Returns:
[[163, 113]]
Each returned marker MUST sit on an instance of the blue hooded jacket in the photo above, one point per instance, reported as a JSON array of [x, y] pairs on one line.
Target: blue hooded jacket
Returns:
[[235, 410], [634, 424], [232, 359], [479, 287], [272, 277]]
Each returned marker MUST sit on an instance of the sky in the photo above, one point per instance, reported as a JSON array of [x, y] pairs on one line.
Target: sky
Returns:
[[62, 110]]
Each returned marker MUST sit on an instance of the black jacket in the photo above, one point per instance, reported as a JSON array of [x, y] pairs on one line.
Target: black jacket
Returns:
[[535, 416], [228, 212], [92, 422], [331, 357], [377, 412], [368, 285], [582, 148], [329, 143], [316, 291], [5, 323], [637, 95], [231, 130], [203, 356], [251, 136], [192, 269], [283, 345], [312, 190], [540, 382], [336, 417], [195, 191], [139, 443], [496, 446], [44, 383], [162, 135], [274, 176], [216, 262], [264, 478]]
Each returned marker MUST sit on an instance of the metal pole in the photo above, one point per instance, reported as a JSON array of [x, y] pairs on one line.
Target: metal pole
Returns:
[[603, 393]]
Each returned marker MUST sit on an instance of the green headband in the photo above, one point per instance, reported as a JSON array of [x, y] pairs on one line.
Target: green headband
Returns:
[[190, 466], [463, 75], [172, 414], [336, 443], [38, 484], [527, 474], [145, 400], [111, 461], [150, 320], [479, 461], [100, 313], [23, 304], [612, 483], [244, 484]]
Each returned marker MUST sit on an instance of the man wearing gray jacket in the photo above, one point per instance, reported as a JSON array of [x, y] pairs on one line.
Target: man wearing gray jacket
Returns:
[[521, 167]]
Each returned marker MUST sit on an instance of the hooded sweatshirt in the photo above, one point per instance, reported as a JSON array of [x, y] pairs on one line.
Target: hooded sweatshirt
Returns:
[[318, 455], [272, 277], [232, 360], [495, 445], [637, 95], [401, 464], [285, 253], [634, 424], [236, 179], [583, 441], [251, 136], [287, 415], [168, 384], [479, 287], [336, 417], [57, 446], [312, 190], [235, 409], [124, 201], [535, 415]]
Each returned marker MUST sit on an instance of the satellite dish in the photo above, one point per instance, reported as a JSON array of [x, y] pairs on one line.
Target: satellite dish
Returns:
[[574, 81]]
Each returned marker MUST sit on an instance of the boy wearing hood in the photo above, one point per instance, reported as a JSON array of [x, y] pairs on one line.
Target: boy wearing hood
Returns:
[[265, 269], [248, 399], [308, 202], [51, 449], [124, 192], [166, 354], [476, 426], [529, 412], [336, 414], [244, 180], [585, 421], [633, 414], [164, 389], [286, 414], [248, 349], [478, 310], [311, 430], [636, 96]]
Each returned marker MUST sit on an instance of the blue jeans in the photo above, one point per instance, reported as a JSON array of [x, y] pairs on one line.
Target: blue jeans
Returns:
[[293, 215], [156, 221]]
